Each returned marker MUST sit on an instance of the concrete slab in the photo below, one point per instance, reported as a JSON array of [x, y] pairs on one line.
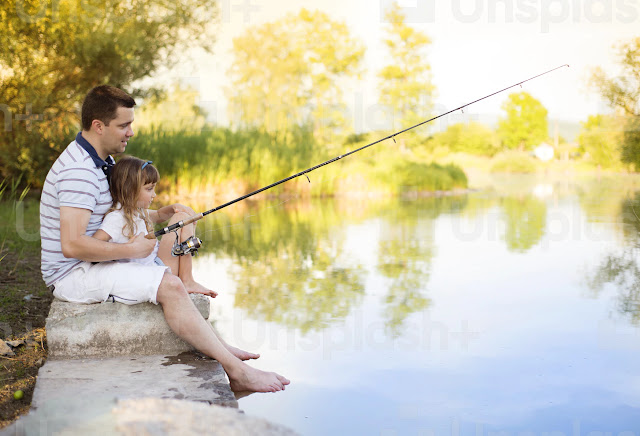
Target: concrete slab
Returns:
[[146, 416], [189, 375], [113, 329]]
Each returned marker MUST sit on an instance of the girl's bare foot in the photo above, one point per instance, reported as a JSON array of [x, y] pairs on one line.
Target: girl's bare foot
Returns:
[[247, 378], [240, 354], [194, 287]]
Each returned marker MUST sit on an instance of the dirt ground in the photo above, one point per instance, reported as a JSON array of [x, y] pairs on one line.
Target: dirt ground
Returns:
[[19, 373], [24, 306]]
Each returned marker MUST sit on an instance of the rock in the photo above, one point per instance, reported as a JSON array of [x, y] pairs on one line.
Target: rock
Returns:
[[15, 344], [113, 329], [5, 350]]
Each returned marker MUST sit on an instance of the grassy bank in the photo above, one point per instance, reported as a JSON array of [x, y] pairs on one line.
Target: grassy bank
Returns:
[[20, 277], [24, 300], [223, 163]]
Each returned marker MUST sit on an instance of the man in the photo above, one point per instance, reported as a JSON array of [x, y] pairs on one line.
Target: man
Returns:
[[76, 267]]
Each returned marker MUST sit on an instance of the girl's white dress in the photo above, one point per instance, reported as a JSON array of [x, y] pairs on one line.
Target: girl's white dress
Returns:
[[114, 223]]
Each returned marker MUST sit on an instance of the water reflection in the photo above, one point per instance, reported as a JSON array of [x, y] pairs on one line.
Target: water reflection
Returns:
[[621, 268], [303, 293], [405, 252], [526, 219], [288, 261], [370, 284], [291, 265]]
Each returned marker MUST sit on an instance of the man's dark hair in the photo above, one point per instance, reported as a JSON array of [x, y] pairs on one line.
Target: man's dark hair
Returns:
[[102, 103]]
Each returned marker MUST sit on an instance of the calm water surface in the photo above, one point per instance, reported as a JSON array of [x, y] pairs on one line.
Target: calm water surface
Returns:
[[513, 309]]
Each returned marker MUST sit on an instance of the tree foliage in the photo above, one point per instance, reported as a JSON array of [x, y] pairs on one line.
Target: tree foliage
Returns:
[[623, 94], [52, 53], [600, 137], [405, 84], [473, 138], [289, 72], [177, 110], [525, 125]]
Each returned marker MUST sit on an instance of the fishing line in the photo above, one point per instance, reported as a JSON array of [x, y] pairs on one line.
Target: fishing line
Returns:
[[193, 241]]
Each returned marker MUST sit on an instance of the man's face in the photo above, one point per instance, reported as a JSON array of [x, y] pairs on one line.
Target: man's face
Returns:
[[116, 135]]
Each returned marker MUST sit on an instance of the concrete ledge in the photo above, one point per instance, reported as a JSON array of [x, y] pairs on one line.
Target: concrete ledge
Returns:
[[76, 331], [189, 376], [109, 416]]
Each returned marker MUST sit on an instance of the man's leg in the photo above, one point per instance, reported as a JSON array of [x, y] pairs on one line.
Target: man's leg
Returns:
[[185, 320]]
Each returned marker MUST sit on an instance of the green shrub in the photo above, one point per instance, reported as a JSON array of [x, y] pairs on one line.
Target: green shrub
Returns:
[[513, 162]]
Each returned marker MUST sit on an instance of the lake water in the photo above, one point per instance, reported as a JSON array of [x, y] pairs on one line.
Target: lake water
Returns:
[[514, 308]]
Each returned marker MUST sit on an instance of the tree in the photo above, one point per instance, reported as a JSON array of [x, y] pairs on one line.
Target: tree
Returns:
[[526, 123], [473, 138], [289, 72], [176, 110], [405, 85], [600, 138], [623, 94], [52, 53]]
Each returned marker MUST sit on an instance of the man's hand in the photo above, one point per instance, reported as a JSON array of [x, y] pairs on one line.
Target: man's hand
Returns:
[[177, 208], [166, 213], [140, 246], [77, 245]]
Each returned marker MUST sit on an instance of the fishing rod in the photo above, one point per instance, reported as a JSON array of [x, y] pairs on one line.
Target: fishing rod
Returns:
[[192, 244]]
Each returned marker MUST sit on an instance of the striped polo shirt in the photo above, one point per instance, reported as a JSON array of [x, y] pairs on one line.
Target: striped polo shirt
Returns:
[[75, 180]]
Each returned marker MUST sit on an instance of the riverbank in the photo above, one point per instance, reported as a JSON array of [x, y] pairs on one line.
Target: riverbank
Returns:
[[24, 305]]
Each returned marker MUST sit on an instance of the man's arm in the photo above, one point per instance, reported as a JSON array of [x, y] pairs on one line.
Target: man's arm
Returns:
[[76, 245]]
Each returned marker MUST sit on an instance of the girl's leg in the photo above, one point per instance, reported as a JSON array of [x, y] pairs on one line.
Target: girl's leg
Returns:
[[181, 266]]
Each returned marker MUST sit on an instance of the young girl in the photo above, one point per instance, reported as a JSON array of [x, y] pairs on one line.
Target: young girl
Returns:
[[132, 187]]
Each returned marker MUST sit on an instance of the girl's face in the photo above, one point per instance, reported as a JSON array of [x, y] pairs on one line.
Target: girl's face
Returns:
[[146, 195]]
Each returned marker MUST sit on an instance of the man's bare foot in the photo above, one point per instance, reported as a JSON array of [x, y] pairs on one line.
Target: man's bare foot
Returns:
[[242, 394], [240, 354], [255, 380], [194, 287]]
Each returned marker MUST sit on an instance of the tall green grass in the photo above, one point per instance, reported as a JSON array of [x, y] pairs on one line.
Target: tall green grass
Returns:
[[222, 162]]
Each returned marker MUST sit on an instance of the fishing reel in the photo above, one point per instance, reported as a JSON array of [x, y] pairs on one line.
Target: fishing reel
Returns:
[[190, 245]]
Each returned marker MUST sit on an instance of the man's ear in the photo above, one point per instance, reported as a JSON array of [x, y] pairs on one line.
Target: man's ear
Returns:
[[97, 126]]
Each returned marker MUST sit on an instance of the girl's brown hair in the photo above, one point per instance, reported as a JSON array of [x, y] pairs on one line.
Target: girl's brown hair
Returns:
[[127, 178]]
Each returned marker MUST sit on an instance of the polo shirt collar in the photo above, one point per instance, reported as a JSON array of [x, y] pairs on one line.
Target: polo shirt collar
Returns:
[[104, 165]]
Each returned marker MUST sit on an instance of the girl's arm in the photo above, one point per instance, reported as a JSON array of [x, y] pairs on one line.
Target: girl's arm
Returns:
[[165, 213], [102, 235]]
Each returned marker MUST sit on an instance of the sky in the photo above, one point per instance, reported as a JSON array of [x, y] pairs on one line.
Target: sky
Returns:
[[478, 47]]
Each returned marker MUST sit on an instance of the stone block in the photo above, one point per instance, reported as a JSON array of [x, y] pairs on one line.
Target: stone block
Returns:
[[141, 416], [186, 376], [76, 331]]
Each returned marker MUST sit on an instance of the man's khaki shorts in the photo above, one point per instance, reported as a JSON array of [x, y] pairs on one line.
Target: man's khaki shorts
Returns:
[[121, 281]]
